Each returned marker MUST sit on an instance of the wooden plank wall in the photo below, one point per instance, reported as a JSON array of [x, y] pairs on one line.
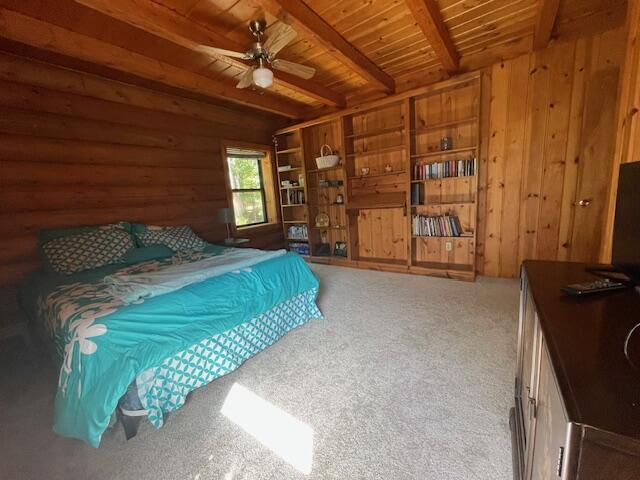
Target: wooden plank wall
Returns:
[[77, 149], [547, 143], [627, 147]]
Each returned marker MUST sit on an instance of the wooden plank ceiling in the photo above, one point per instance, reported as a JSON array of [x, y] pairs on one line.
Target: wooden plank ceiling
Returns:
[[361, 49]]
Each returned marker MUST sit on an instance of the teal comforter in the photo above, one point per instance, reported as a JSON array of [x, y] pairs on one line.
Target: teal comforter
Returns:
[[105, 343]]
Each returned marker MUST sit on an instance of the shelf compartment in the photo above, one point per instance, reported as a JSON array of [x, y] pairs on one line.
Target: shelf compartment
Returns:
[[292, 169], [292, 188], [288, 150], [294, 205], [378, 131], [437, 126], [377, 151], [321, 170], [438, 153], [440, 179], [374, 175]]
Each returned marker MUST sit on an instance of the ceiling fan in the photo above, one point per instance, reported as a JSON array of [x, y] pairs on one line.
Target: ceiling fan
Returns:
[[264, 54]]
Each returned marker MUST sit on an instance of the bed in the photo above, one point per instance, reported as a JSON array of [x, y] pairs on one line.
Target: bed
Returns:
[[153, 348]]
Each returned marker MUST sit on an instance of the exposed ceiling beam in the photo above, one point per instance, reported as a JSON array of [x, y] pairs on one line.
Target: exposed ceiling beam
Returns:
[[429, 19], [162, 22], [36, 33], [297, 14], [547, 11]]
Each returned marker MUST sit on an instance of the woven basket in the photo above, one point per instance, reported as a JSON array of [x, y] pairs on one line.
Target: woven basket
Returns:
[[327, 160]]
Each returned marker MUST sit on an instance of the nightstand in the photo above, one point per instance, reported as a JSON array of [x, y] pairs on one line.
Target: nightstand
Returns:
[[236, 242]]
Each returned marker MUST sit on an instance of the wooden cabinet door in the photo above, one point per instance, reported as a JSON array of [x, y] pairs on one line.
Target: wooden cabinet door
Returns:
[[549, 438], [528, 353]]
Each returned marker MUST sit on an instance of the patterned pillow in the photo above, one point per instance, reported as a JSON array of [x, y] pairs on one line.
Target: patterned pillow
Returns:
[[178, 239], [104, 246]]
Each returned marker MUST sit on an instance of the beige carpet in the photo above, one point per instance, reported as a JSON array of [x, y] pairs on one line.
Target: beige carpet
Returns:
[[408, 377]]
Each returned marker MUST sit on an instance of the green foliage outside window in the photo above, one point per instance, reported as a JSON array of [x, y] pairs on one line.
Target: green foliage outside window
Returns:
[[245, 175]]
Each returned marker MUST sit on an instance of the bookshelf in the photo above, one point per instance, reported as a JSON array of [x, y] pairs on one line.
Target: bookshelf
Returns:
[[444, 189], [376, 156], [394, 169], [326, 186], [289, 149]]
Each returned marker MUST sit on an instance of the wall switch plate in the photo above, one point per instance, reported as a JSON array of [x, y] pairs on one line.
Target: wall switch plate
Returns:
[[448, 246]]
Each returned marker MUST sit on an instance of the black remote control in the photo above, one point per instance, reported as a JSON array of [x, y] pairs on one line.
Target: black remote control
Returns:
[[588, 288]]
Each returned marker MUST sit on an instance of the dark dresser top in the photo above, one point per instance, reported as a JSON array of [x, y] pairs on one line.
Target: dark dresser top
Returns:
[[585, 338]]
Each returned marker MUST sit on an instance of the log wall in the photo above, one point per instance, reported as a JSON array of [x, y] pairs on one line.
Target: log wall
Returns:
[[77, 149]]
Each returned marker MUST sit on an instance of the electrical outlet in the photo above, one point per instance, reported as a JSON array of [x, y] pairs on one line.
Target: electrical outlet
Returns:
[[448, 246]]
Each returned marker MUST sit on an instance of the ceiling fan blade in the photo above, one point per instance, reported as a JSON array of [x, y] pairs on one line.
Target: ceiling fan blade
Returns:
[[247, 78], [294, 68], [278, 37], [221, 51]]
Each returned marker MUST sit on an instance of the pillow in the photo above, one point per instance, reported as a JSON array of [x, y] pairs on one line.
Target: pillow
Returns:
[[89, 249], [178, 239], [46, 235], [144, 254]]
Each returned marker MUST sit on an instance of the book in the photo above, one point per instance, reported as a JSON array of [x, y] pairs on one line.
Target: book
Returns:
[[449, 168], [437, 226]]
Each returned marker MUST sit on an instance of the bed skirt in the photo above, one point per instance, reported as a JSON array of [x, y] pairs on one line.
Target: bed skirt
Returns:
[[165, 388]]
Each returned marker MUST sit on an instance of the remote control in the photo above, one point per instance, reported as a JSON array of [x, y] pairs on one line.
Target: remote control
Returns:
[[597, 286]]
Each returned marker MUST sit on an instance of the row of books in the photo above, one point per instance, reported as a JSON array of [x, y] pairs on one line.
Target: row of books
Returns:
[[298, 232], [294, 197], [437, 226], [450, 168], [300, 248]]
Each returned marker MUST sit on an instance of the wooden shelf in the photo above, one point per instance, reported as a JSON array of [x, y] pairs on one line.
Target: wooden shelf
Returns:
[[444, 152], [386, 133], [320, 170], [465, 237], [288, 150], [381, 200], [294, 205], [379, 131], [436, 126], [385, 174], [388, 261], [301, 222], [291, 188], [440, 179], [456, 267], [377, 151], [430, 204], [293, 169]]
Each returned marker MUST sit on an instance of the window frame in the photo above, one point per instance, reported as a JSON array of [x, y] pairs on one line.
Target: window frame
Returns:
[[269, 183], [261, 189]]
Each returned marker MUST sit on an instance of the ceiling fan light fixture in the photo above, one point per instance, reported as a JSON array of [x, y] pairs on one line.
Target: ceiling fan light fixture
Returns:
[[263, 77]]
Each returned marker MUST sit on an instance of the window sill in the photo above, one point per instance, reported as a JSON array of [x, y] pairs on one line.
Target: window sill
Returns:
[[256, 228]]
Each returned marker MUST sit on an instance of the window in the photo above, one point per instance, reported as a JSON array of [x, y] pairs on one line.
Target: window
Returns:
[[247, 181]]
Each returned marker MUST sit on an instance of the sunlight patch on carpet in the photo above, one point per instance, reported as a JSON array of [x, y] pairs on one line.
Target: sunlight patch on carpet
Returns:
[[280, 432]]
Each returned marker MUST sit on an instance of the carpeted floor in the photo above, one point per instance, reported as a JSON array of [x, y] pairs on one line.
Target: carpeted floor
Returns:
[[408, 377]]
